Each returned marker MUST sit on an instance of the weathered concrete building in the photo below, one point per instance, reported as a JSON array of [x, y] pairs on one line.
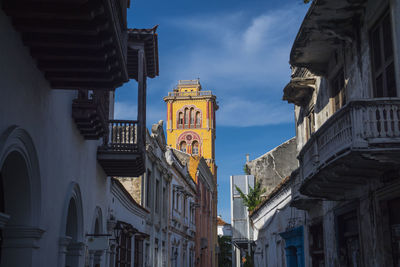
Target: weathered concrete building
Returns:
[[277, 228], [345, 85], [275, 165]]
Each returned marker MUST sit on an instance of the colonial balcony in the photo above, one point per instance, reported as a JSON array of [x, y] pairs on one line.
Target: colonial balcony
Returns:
[[121, 155], [359, 142], [78, 44], [299, 200], [90, 112]]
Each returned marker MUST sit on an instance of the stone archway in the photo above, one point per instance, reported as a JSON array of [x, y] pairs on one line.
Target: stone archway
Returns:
[[71, 241], [97, 229], [20, 199]]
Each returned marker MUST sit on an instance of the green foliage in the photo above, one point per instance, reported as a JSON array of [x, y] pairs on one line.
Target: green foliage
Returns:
[[225, 251], [246, 169], [253, 198]]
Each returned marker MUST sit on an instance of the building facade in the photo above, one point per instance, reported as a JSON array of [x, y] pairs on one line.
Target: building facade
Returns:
[[274, 166], [206, 213], [191, 120], [279, 229], [54, 167], [182, 221], [242, 230], [191, 129], [345, 87]]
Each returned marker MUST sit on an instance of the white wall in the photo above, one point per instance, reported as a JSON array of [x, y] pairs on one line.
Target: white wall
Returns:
[[63, 155]]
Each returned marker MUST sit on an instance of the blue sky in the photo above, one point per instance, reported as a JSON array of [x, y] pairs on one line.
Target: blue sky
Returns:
[[239, 50]]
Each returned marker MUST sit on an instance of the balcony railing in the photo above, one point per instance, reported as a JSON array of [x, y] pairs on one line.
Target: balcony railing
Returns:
[[364, 126], [123, 135], [195, 93], [121, 153]]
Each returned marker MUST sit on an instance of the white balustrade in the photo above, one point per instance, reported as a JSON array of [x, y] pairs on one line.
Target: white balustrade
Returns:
[[358, 125]]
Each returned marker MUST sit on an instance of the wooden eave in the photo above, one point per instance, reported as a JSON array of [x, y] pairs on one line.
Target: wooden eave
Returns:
[[327, 24], [149, 39], [79, 44]]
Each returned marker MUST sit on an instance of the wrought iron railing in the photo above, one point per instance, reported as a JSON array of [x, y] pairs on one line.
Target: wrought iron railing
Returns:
[[360, 124]]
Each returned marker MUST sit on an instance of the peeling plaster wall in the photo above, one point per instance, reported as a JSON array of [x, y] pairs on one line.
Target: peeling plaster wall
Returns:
[[275, 165], [354, 57], [369, 202]]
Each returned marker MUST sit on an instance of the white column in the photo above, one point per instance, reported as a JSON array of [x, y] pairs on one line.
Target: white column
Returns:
[[18, 245], [62, 251]]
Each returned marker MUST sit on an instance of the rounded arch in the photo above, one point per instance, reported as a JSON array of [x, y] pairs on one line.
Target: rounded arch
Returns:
[[73, 206], [183, 146], [18, 155], [97, 223], [189, 137], [20, 197], [71, 230], [195, 147], [189, 112]]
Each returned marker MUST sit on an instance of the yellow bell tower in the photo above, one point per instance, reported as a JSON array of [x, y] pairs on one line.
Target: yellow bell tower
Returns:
[[191, 120]]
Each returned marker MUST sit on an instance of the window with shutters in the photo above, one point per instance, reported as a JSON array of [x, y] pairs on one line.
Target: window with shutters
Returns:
[[383, 73], [138, 252], [310, 123], [124, 251]]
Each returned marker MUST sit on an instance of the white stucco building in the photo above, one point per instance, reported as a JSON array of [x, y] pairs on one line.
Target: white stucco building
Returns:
[[278, 229], [58, 148], [182, 228]]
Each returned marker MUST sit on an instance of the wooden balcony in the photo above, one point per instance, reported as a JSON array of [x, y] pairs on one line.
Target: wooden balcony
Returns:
[[359, 142], [90, 112], [121, 155], [78, 44]]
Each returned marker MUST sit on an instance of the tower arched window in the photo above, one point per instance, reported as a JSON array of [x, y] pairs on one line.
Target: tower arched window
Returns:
[[186, 116], [192, 116], [195, 148], [198, 119], [180, 120], [182, 146]]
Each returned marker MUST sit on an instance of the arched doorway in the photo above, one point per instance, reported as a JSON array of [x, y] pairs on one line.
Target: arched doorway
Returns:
[[71, 231], [19, 199], [97, 229], [71, 241]]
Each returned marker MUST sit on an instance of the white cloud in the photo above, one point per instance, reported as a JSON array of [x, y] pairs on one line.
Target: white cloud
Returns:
[[127, 111], [231, 53], [242, 113]]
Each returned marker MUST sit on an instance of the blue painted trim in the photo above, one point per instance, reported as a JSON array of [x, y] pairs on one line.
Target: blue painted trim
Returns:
[[294, 246]]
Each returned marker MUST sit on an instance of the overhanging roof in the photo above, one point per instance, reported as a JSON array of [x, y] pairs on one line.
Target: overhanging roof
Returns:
[[326, 25], [149, 38]]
